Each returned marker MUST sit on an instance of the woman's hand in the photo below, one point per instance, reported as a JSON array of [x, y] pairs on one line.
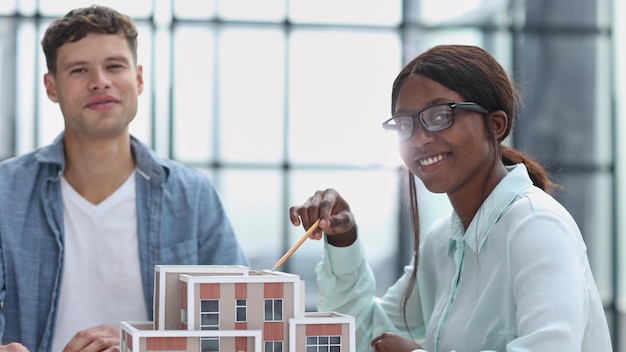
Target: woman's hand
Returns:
[[336, 219], [390, 342]]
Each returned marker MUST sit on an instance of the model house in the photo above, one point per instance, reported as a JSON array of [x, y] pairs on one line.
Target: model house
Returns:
[[209, 308]]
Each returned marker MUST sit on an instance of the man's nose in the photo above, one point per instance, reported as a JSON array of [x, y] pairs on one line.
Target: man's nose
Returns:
[[98, 79]]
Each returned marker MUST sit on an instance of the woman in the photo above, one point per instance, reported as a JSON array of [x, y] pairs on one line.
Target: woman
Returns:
[[506, 271]]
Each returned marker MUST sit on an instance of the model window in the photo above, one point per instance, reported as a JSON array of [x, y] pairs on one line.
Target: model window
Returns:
[[323, 344], [273, 346], [183, 316], [210, 344], [273, 310], [209, 314], [241, 311]]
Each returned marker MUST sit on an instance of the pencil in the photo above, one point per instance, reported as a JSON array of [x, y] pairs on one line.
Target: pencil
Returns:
[[282, 260]]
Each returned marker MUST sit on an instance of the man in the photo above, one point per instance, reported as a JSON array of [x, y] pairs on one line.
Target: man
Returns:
[[83, 221]]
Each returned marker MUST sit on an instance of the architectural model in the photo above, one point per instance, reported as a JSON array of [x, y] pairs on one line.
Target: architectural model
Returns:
[[208, 308]]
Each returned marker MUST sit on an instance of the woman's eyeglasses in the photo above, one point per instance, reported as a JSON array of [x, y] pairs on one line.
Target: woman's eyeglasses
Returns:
[[434, 118]]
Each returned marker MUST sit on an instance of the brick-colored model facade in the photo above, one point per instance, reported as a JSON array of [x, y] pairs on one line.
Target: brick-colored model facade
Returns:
[[207, 308]]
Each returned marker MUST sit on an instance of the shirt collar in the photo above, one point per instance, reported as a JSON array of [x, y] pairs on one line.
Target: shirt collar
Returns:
[[149, 164], [490, 211]]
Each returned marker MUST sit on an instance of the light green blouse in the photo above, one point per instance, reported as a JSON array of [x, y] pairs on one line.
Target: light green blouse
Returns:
[[517, 280]]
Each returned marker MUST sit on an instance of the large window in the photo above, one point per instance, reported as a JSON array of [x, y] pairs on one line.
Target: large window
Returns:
[[272, 101]]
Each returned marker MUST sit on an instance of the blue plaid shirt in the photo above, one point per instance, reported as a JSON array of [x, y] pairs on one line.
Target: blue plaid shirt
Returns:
[[180, 220]]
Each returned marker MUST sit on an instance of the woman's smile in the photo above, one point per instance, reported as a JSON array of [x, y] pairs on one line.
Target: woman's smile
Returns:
[[431, 160]]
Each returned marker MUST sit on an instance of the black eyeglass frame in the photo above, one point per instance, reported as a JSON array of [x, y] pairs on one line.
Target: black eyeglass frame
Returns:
[[470, 106]]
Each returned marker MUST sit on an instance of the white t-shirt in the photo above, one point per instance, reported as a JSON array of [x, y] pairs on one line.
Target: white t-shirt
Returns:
[[101, 281]]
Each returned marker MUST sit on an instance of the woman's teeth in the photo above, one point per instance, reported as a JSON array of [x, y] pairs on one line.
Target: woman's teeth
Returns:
[[431, 160]]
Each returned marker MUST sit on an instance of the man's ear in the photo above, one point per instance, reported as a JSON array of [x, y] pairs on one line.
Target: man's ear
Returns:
[[140, 79], [51, 90], [499, 122]]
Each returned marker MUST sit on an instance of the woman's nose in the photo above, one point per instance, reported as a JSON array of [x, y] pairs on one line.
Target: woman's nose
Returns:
[[421, 136]]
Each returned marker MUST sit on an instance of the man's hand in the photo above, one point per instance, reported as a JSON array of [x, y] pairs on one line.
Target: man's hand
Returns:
[[98, 339], [390, 342], [13, 347]]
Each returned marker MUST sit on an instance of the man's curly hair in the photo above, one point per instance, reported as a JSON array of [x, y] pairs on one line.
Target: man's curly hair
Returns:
[[77, 23]]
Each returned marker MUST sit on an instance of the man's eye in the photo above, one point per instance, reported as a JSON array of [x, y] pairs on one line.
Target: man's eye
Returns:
[[78, 70]]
